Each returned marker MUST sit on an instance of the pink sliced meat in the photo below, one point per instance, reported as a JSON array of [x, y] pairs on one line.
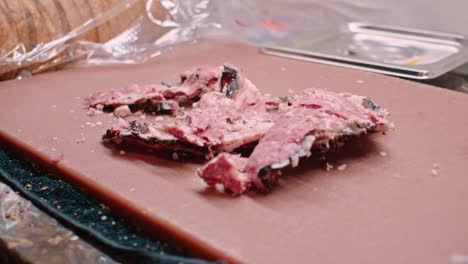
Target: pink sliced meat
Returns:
[[159, 98], [223, 125], [223, 120], [150, 136], [226, 170], [218, 113], [308, 125]]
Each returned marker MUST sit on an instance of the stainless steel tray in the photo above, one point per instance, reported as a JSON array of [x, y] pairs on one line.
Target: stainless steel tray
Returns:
[[410, 53]]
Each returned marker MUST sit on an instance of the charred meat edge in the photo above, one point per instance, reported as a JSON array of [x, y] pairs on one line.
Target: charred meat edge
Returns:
[[313, 142], [229, 81], [152, 106], [133, 136]]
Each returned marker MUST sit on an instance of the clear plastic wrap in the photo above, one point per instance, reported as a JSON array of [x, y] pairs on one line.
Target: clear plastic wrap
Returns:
[[132, 31], [37, 36]]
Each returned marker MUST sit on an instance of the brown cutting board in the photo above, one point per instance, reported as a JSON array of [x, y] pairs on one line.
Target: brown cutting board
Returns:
[[390, 209]]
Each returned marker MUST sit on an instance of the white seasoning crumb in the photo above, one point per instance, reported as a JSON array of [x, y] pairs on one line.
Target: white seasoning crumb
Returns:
[[159, 118], [73, 238], [122, 152], [53, 149], [71, 111], [81, 140], [290, 91], [383, 154], [94, 112], [122, 111], [53, 106], [98, 123], [143, 116], [100, 107], [82, 126], [103, 217], [329, 166], [175, 156], [92, 151], [294, 161], [309, 92], [283, 68], [342, 167], [219, 187], [359, 81], [436, 166], [434, 172], [110, 114], [54, 138], [54, 241], [132, 189]]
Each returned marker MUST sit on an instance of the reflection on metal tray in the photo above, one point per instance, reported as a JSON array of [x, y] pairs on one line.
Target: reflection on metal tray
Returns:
[[396, 51]]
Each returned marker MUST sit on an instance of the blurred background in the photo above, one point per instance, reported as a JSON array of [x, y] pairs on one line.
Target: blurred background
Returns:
[[39, 36]]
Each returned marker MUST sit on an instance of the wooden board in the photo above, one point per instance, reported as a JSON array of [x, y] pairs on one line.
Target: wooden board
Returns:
[[379, 209]]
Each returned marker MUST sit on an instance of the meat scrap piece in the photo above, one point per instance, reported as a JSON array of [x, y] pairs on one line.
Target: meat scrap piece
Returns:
[[161, 98], [216, 122], [214, 126], [136, 133], [316, 121], [227, 169]]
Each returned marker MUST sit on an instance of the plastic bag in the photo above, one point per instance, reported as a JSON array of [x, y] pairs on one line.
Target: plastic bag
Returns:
[[133, 31], [50, 35]]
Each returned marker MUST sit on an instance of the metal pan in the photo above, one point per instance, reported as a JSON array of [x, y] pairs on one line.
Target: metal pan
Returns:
[[404, 52]]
